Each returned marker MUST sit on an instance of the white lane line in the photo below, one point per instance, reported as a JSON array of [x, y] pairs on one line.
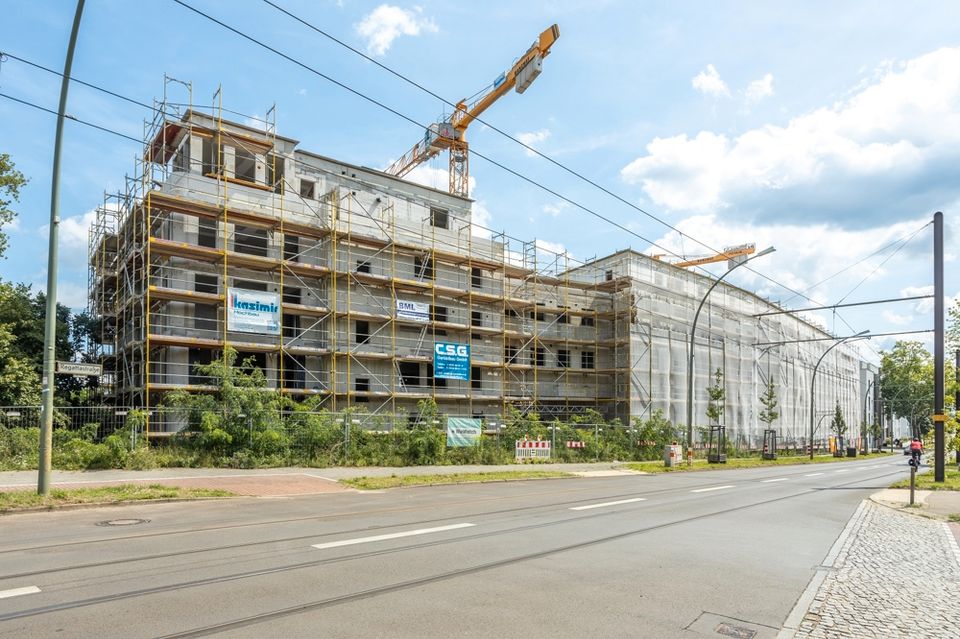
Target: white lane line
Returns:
[[813, 475], [706, 490], [16, 592], [609, 503], [842, 470], [767, 481], [408, 533]]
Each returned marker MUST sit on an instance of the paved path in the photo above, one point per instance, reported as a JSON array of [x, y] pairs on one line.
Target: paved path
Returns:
[[884, 565]]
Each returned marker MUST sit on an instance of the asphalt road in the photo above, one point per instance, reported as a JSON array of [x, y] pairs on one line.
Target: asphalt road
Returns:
[[672, 555]]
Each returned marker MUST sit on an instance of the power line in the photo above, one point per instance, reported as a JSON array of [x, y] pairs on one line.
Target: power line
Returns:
[[824, 339], [530, 149], [861, 260], [888, 258], [823, 308], [484, 157], [70, 117]]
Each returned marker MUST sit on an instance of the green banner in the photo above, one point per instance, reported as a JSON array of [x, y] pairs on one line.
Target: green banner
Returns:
[[463, 431]]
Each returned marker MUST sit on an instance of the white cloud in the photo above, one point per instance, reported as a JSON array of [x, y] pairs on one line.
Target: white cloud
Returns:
[[481, 219], [550, 247], [896, 319], [436, 178], [555, 209], [386, 23], [72, 234], [921, 307], [760, 89], [806, 253], [532, 138], [708, 82], [881, 152]]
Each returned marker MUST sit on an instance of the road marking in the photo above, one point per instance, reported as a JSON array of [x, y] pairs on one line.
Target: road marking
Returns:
[[813, 474], [842, 470], [408, 533], [16, 592], [767, 481], [705, 490], [609, 503]]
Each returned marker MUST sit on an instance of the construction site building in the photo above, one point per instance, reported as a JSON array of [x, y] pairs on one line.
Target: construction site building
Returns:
[[362, 277]]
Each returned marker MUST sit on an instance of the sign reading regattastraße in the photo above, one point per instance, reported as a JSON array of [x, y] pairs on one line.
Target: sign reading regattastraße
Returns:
[[253, 311], [451, 361]]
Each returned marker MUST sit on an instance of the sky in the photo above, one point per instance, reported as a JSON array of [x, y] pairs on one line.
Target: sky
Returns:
[[828, 130]]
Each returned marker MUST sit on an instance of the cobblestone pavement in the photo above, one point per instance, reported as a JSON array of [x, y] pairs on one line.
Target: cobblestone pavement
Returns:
[[890, 565]]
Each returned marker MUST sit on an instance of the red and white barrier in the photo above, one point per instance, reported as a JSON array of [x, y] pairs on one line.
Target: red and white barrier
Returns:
[[538, 449]]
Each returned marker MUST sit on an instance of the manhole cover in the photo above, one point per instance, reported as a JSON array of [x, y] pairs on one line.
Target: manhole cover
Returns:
[[739, 632], [123, 522]]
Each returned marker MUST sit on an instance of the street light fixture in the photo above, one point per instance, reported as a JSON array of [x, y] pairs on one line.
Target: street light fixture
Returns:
[[813, 378], [693, 332]]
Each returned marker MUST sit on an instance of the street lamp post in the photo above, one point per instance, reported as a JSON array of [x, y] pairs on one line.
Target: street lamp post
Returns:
[[693, 332], [866, 396], [813, 378]]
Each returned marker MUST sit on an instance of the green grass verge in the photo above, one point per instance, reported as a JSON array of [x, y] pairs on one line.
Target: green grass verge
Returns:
[[951, 481], [22, 499], [395, 481], [745, 462]]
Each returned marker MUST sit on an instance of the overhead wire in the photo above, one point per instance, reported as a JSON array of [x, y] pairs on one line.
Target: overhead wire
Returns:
[[530, 149], [382, 105]]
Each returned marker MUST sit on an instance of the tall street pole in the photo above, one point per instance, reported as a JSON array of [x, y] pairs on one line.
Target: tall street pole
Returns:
[[938, 349], [813, 378], [50, 327], [956, 395], [693, 332]]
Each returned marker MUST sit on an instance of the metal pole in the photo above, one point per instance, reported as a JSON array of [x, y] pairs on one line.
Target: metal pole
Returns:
[[913, 480], [939, 449], [813, 379], [693, 332], [956, 395], [866, 396], [48, 383]]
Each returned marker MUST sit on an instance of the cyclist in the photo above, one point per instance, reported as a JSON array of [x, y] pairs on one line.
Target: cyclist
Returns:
[[916, 449]]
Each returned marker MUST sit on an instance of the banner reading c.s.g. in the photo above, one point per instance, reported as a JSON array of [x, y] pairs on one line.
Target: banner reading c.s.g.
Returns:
[[451, 361], [253, 311]]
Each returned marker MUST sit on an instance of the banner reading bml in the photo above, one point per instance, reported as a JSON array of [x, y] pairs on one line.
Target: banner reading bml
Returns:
[[451, 361], [253, 312]]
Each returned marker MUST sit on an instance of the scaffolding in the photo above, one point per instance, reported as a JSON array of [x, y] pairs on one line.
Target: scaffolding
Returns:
[[215, 205]]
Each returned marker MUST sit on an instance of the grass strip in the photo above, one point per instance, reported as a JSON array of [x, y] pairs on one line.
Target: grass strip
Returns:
[[746, 462], [396, 481], [951, 481], [29, 499]]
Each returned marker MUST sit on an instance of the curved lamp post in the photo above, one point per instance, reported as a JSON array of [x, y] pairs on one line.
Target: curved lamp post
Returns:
[[813, 379], [693, 332]]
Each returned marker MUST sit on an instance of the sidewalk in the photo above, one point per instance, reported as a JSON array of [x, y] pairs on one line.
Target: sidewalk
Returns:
[[269, 482], [890, 574]]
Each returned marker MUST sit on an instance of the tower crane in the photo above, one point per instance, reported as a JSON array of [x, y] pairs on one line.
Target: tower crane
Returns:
[[450, 132], [728, 253]]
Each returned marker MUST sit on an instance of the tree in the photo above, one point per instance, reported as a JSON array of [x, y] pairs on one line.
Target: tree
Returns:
[[717, 395], [19, 382], [10, 182], [22, 311], [769, 401], [906, 384], [838, 424], [953, 326]]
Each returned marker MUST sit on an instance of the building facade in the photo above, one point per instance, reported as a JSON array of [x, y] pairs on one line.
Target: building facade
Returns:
[[362, 290]]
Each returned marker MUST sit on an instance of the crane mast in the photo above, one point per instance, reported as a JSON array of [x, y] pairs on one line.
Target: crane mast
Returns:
[[450, 133]]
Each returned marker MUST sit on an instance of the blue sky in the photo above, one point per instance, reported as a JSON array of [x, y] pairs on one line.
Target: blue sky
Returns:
[[829, 130]]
